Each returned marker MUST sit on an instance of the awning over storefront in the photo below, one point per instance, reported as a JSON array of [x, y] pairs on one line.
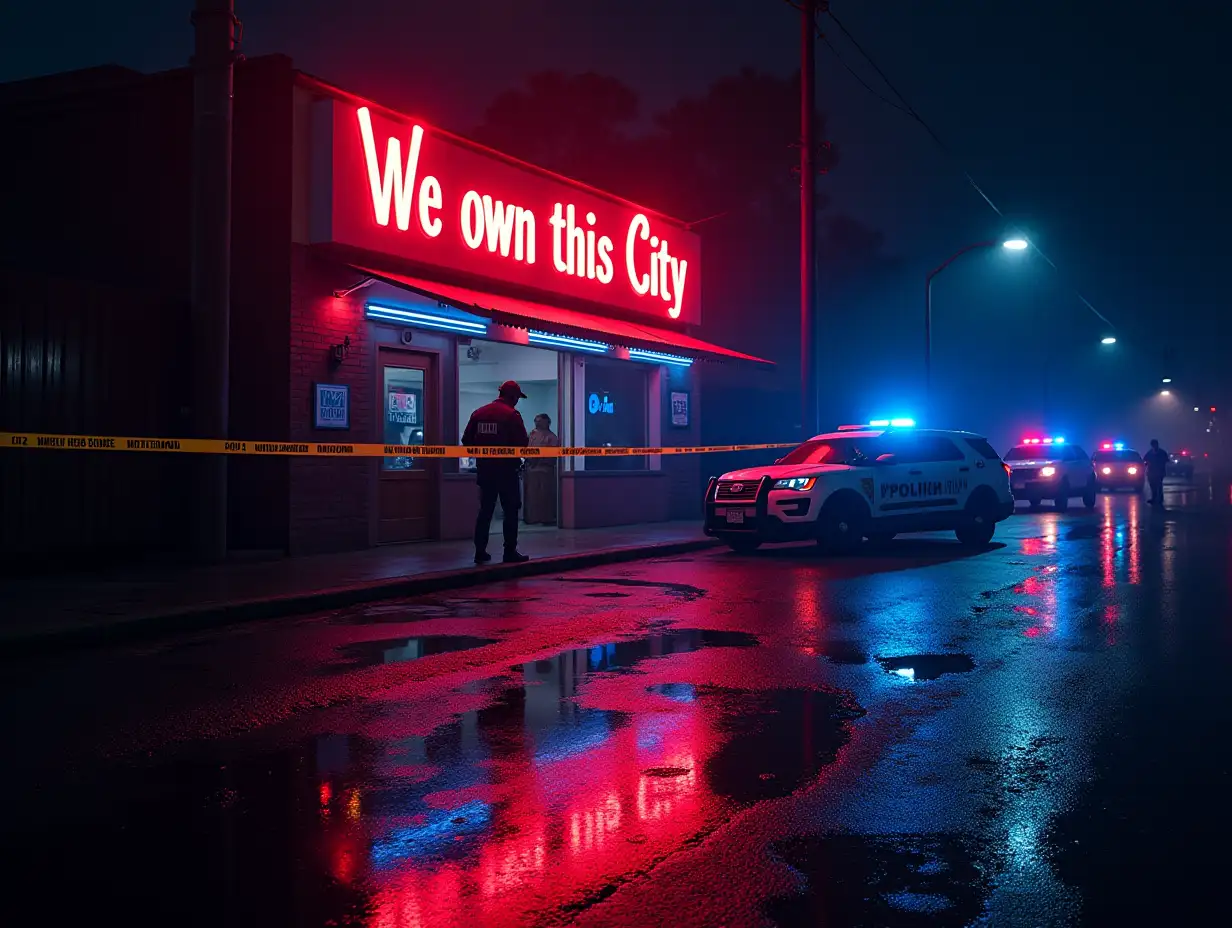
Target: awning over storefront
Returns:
[[521, 314]]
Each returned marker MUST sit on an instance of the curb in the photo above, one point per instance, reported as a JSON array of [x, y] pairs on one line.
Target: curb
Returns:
[[135, 628]]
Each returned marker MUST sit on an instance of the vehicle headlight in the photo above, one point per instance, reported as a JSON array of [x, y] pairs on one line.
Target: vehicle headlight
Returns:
[[1132, 471], [1048, 471], [795, 483], [1107, 470]]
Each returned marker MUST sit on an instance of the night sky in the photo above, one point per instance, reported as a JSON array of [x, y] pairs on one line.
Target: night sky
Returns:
[[1095, 125]]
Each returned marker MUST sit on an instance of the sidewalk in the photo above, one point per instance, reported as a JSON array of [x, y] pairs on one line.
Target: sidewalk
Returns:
[[50, 612]]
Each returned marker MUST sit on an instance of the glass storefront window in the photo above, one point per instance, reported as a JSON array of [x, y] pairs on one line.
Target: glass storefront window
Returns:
[[404, 414], [483, 366], [616, 411]]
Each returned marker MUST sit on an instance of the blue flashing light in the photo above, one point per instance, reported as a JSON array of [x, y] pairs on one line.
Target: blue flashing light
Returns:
[[1060, 440], [566, 341], [903, 423], [1119, 446], [468, 325], [640, 354], [879, 423]]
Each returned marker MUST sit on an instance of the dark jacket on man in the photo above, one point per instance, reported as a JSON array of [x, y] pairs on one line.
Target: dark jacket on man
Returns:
[[496, 424]]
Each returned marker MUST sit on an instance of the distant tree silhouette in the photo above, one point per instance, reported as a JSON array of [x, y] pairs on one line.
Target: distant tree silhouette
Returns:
[[726, 160]]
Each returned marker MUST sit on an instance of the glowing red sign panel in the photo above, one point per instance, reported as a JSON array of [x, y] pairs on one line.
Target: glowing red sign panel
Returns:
[[400, 188]]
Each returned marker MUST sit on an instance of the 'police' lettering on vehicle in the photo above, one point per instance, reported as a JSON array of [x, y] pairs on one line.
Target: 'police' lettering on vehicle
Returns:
[[923, 489]]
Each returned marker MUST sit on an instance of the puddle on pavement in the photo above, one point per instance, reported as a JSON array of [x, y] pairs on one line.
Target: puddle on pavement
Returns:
[[777, 739], [620, 656], [1083, 532], [883, 881], [918, 667], [399, 650], [534, 802]]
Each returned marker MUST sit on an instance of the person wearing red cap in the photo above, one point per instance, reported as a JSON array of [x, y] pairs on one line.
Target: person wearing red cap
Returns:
[[500, 424]]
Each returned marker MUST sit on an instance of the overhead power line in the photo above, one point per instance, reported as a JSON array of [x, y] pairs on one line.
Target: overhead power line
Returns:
[[904, 106]]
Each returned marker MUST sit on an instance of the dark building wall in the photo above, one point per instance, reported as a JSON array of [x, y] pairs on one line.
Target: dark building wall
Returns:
[[259, 494], [95, 254]]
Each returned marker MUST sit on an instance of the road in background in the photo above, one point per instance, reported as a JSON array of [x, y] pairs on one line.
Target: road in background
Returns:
[[1031, 735]]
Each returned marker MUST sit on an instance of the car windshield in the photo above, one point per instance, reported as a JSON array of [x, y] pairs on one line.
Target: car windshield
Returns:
[[1028, 452], [832, 451], [1117, 456]]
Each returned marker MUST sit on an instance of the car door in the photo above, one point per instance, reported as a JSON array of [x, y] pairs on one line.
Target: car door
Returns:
[[947, 473], [922, 474]]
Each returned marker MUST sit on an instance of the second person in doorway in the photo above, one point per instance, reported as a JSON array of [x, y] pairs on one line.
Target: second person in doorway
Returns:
[[541, 475]]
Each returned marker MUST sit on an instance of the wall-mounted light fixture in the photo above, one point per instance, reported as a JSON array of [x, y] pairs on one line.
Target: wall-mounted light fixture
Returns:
[[338, 353]]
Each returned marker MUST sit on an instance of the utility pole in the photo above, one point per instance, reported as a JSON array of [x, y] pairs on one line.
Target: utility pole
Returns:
[[213, 66], [808, 220]]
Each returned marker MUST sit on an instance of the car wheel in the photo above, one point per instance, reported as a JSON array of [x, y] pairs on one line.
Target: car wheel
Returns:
[[1061, 503], [1034, 504], [841, 526], [1089, 496], [743, 545], [981, 522]]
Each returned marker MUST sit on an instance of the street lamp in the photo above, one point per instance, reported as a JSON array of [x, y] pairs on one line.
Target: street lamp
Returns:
[[1013, 244], [1167, 380], [1107, 340]]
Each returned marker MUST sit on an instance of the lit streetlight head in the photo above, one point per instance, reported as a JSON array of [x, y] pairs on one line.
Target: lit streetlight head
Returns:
[[1107, 340], [1015, 244], [1167, 380], [1165, 392]]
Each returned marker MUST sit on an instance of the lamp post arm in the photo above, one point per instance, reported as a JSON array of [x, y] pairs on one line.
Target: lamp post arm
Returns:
[[958, 254]]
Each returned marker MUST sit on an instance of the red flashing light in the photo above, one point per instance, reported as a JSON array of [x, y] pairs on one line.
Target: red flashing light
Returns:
[[1106, 446], [1212, 409]]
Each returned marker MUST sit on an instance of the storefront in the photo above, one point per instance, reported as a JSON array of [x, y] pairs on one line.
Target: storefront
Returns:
[[435, 270], [385, 278]]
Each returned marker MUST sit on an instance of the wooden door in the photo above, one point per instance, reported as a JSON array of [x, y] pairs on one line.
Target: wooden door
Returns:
[[408, 488]]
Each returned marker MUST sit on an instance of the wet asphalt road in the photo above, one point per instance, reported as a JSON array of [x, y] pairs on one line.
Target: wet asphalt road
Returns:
[[1032, 735]]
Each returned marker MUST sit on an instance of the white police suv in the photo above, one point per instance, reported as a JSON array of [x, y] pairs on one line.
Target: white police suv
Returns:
[[1051, 468], [865, 482]]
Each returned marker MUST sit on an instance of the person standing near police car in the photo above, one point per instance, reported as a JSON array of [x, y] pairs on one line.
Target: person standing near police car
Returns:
[[498, 424], [1156, 461]]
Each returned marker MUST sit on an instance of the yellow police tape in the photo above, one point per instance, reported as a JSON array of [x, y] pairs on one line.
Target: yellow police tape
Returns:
[[39, 440]]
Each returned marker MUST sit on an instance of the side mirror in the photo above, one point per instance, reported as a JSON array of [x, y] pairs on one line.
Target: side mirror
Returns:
[[778, 460]]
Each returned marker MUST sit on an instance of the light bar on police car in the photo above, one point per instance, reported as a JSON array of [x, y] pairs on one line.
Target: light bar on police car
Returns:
[[902, 422]]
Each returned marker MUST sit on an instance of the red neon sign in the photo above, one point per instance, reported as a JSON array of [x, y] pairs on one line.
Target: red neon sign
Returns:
[[400, 188]]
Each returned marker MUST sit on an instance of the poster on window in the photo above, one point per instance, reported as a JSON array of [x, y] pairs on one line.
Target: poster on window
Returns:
[[403, 415], [680, 410]]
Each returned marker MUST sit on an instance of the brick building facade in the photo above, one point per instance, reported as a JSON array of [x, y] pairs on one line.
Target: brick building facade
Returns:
[[426, 334]]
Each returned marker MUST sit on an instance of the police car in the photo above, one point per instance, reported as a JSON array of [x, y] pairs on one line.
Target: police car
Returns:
[[1119, 468], [1051, 468], [1181, 464], [862, 482]]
